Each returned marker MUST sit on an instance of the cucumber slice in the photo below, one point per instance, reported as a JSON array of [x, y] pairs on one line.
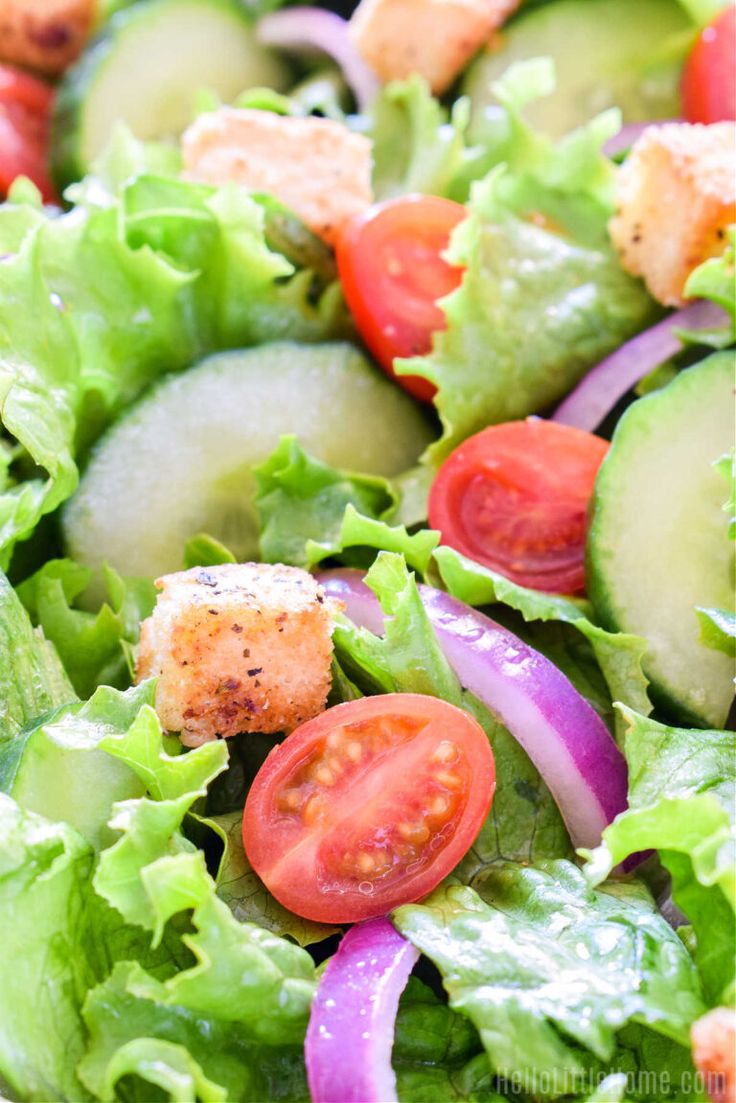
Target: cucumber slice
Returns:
[[658, 543], [622, 53], [180, 461], [146, 68]]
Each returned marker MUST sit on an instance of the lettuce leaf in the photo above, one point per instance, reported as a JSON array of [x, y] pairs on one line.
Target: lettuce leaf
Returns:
[[495, 361], [58, 766], [300, 499], [418, 145], [534, 247], [96, 648], [682, 797], [153, 872], [146, 902], [59, 939], [32, 679], [715, 279], [550, 971], [437, 1054], [359, 534], [718, 626], [97, 303], [718, 629], [133, 1030], [43, 870], [310, 512], [204, 550], [524, 822]]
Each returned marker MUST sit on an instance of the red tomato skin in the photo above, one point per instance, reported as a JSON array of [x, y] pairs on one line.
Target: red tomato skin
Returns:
[[25, 112], [392, 275], [514, 498], [17, 86], [709, 78], [276, 842]]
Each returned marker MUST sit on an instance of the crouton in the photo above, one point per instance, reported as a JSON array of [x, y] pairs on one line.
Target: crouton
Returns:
[[316, 167], [714, 1053], [45, 34], [238, 648], [675, 196], [435, 38]]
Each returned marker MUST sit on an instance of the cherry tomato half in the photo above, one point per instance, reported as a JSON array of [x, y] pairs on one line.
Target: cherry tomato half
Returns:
[[514, 498], [392, 273], [25, 112], [368, 806], [709, 78]]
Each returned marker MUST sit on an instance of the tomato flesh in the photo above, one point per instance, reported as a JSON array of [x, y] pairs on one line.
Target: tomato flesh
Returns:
[[392, 272], [514, 497], [368, 806], [25, 111], [709, 77]]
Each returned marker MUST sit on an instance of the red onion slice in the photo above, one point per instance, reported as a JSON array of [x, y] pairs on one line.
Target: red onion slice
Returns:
[[599, 391], [562, 734], [315, 28], [628, 134], [351, 1027]]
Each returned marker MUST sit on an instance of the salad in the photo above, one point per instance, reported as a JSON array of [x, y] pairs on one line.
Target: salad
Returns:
[[367, 525]]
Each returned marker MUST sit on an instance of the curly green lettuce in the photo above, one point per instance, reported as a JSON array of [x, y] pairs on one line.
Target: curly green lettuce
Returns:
[[682, 801], [561, 981], [143, 276], [543, 297]]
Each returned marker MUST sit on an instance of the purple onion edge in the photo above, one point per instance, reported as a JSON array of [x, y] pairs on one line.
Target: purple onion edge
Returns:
[[604, 385], [294, 27], [392, 958], [624, 138]]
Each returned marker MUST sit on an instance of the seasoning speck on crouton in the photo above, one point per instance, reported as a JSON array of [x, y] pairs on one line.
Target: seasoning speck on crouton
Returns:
[[435, 38], [44, 34], [714, 1053], [675, 196], [238, 648], [316, 167]]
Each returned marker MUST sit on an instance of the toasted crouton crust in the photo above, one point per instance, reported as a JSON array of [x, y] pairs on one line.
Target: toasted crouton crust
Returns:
[[714, 1053], [316, 167], [238, 648], [434, 38], [676, 195], [44, 34]]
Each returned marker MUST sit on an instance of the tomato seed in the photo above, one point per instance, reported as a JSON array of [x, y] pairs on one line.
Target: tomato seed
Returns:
[[290, 800], [365, 863], [446, 751], [450, 781], [324, 776]]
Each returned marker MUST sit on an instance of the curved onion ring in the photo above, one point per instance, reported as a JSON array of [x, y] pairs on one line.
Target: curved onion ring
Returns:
[[351, 1027], [314, 28]]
